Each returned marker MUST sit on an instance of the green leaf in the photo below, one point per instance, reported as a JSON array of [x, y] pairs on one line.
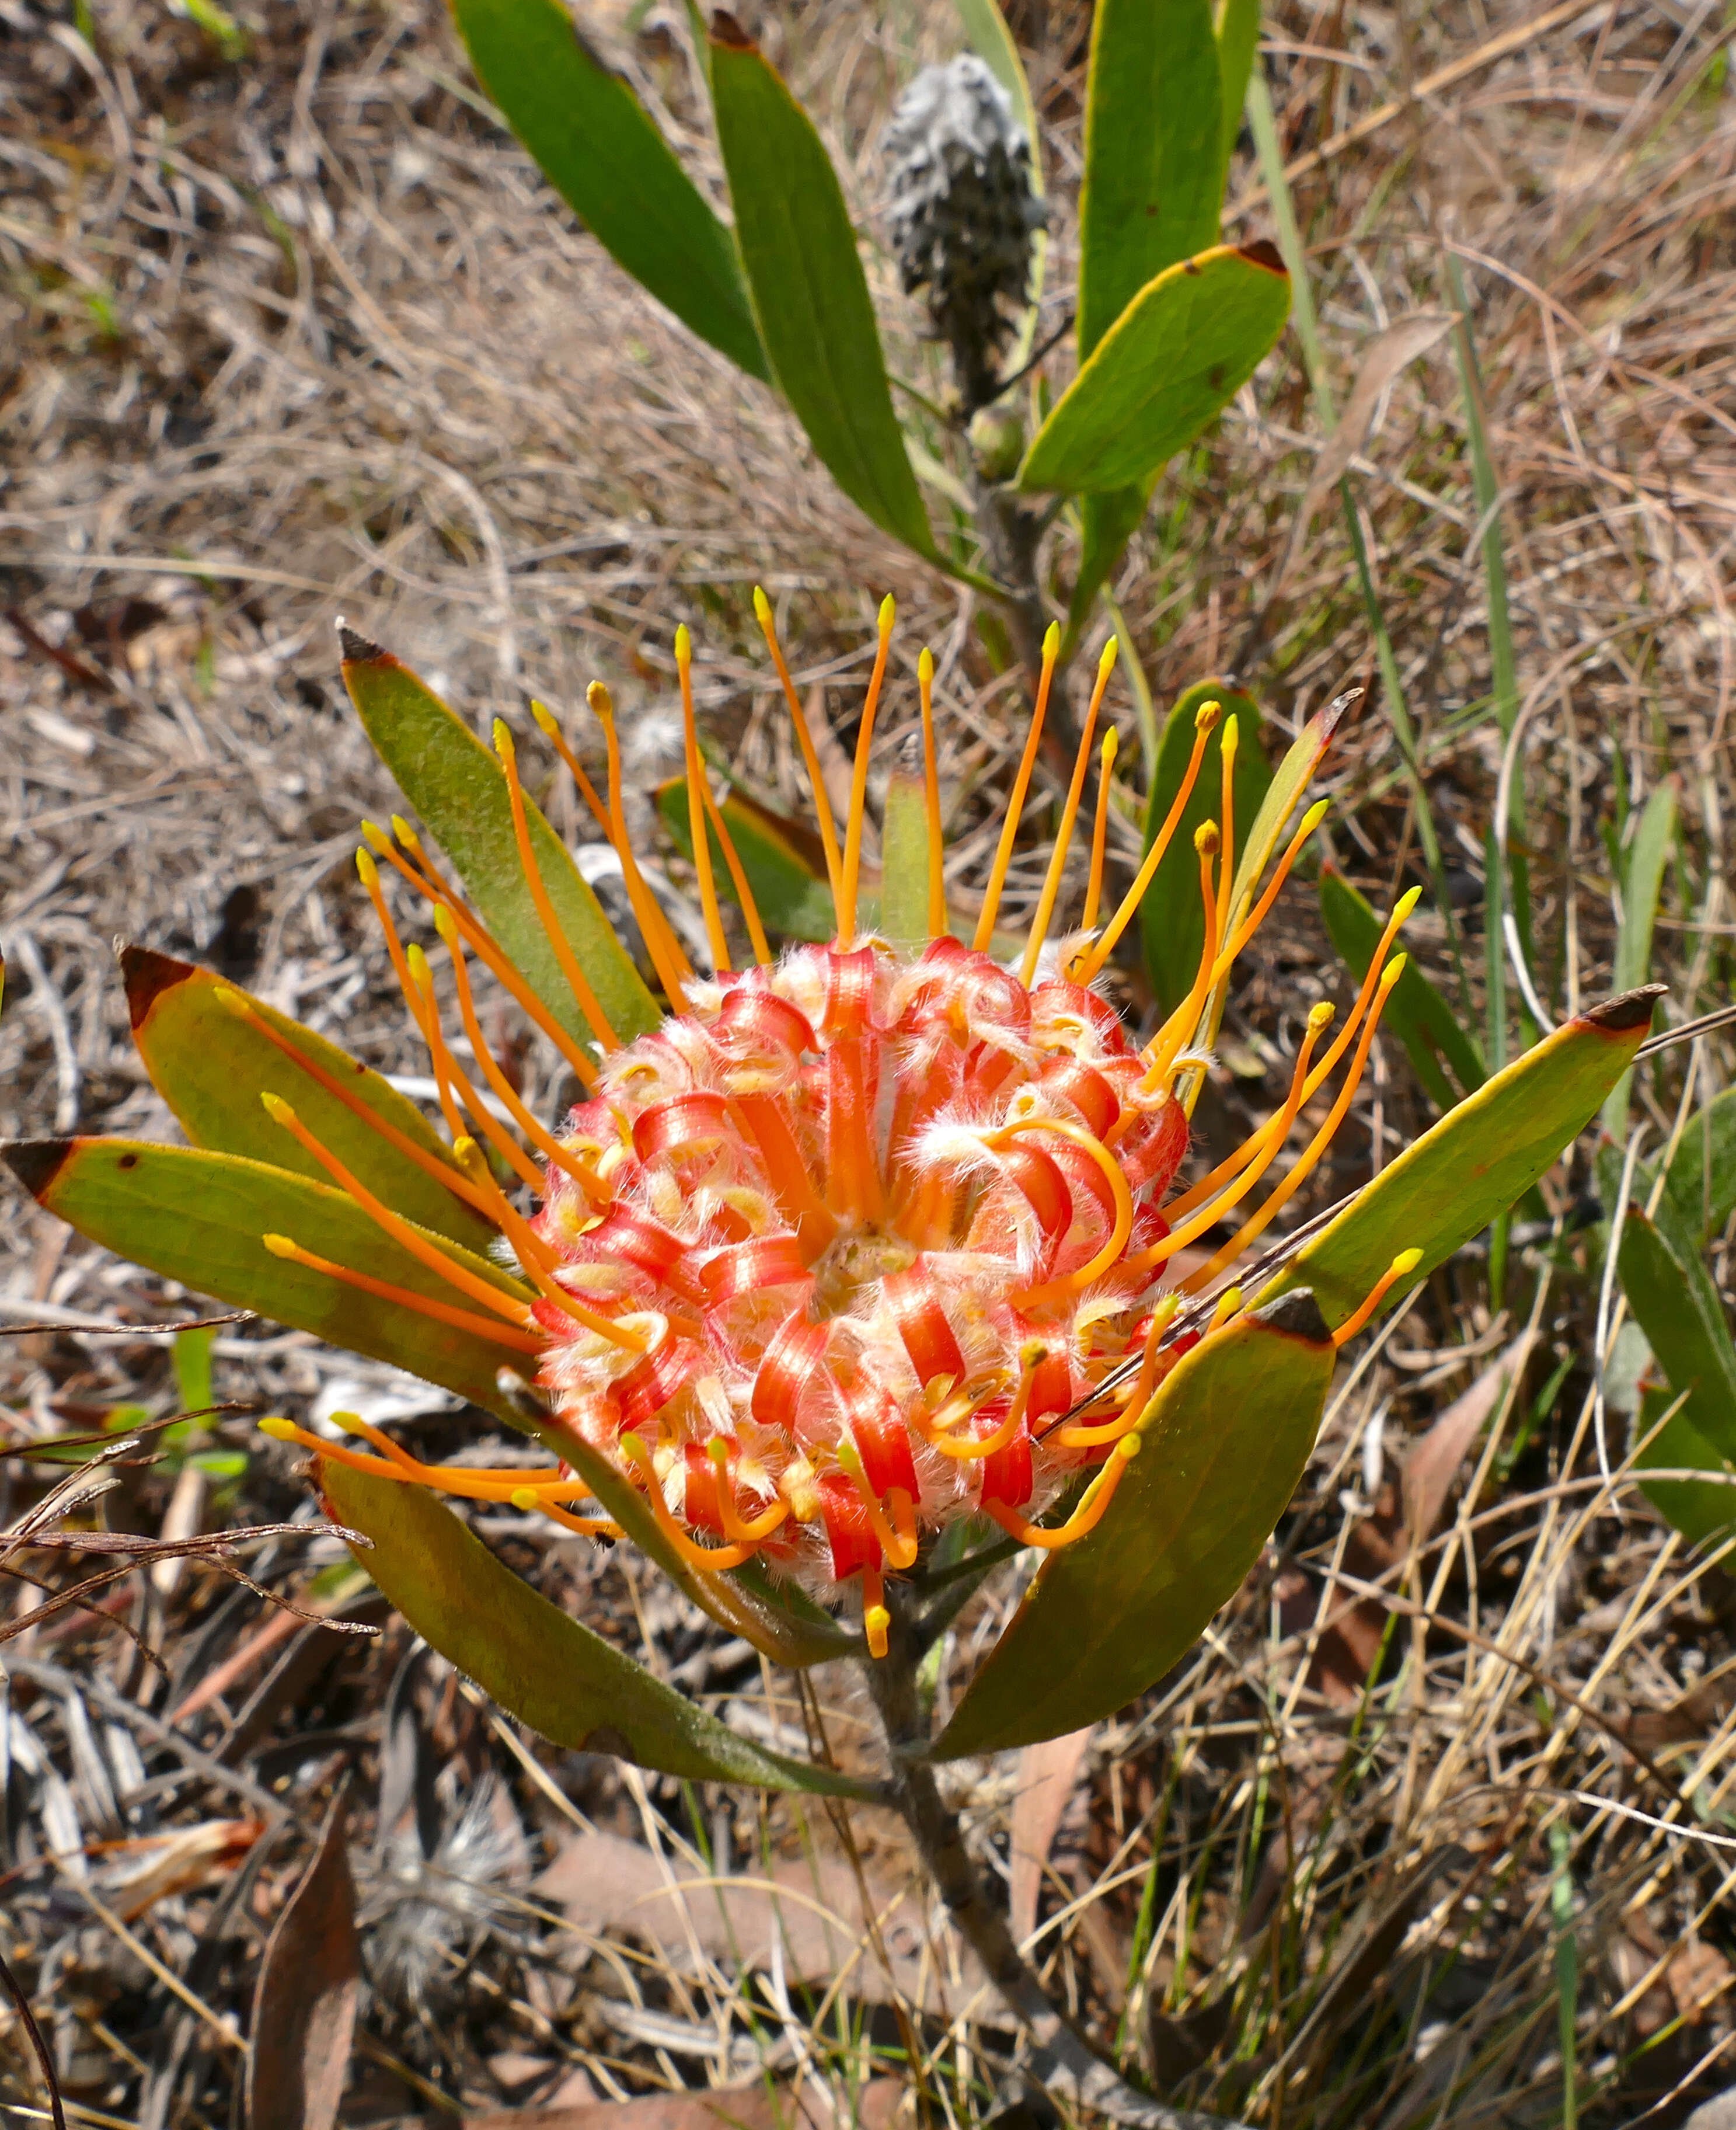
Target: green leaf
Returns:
[[905, 852], [1676, 1306], [1475, 1162], [1702, 1178], [1641, 881], [210, 1066], [1239, 38], [457, 786], [599, 148], [809, 294], [746, 1606], [1226, 1441], [1181, 350], [1675, 1303], [1172, 917], [1416, 1012], [1153, 177], [198, 1217], [542, 1666], [1702, 1510], [783, 861]]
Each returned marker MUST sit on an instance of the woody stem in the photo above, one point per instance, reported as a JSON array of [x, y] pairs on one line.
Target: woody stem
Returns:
[[1061, 2062]]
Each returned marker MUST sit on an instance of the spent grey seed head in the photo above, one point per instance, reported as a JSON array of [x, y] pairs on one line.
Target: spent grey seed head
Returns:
[[963, 211]]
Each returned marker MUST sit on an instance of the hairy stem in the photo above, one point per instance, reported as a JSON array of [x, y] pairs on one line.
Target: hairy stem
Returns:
[[1062, 2061]]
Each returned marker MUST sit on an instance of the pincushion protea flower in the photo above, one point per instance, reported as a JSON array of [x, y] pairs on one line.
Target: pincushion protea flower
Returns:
[[859, 1241]]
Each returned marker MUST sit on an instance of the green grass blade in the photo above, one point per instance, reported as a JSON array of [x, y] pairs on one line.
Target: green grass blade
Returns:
[[1641, 882]]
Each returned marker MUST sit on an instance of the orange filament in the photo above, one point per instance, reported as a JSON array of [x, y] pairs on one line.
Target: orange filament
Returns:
[[536, 1256], [1258, 1222], [897, 1534], [745, 1530], [969, 1453], [1402, 1266], [1135, 1412], [528, 1499], [432, 1035], [449, 1074], [1069, 814], [482, 945], [1173, 1037], [1203, 724], [370, 873], [1256, 917], [470, 1482], [503, 1303], [785, 1170], [738, 878], [859, 779], [1095, 1499], [937, 926], [441, 1312], [1227, 810], [1100, 832], [1075, 1283], [1016, 802], [1265, 1148], [564, 954], [696, 806], [430, 1163], [551, 732], [674, 969], [876, 1620], [582, 1173], [1272, 1133], [712, 1560], [804, 740]]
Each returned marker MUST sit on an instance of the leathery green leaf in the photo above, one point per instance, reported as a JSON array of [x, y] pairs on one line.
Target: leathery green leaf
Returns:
[[1702, 1510], [1106, 522], [209, 1064], [1237, 28], [456, 786], [1172, 917], [542, 1666], [1677, 1306], [784, 864], [1224, 1444], [905, 851], [1476, 1162], [1153, 180], [810, 295], [1416, 1013], [1702, 1178], [601, 151], [746, 1606], [199, 1217], [1180, 352]]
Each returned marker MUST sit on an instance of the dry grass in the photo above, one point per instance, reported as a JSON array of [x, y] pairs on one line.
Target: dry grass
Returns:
[[301, 335]]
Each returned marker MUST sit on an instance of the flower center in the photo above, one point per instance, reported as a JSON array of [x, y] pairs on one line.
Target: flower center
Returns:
[[854, 1261]]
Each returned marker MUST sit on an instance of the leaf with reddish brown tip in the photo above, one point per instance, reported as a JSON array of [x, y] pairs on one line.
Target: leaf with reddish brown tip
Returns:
[[1476, 1162], [211, 1064], [1225, 1440], [199, 1217], [567, 1683], [452, 781]]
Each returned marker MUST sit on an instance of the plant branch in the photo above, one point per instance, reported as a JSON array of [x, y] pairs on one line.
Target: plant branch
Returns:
[[1062, 2061]]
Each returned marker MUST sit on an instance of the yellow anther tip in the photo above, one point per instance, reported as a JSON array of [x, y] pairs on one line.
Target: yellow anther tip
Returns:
[[365, 866], [278, 1429], [544, 718], [1051, 641], [376, 836], [1207, 716], [888, 615], [276, 1108], [761, 607], [1321, 1015], [1316, 814], [1111, 746], [525, 1497], [1393, 971], [229, 1000], [418, 963], [445, 924], [1232, 733], [280, 1246], [1406, 1261], [683, 645], [876, 1622], [925, 666], [404, 832], [1111, 651], [717, 1450], [1205, 838], [602, 703], [1406, 903], [502, 738], [1127, 1448]]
